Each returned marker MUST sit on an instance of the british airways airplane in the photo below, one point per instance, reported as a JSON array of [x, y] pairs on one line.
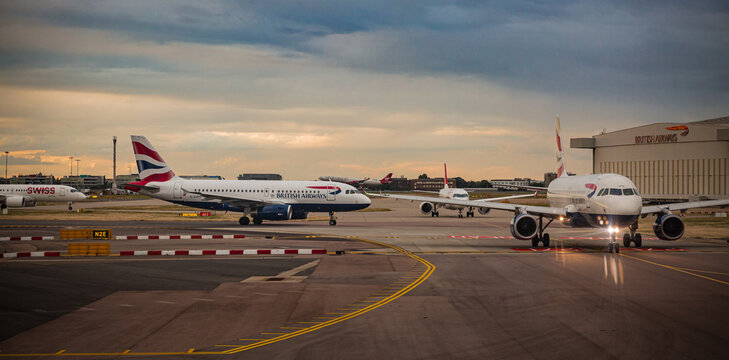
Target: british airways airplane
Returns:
[[17, 196], [608, 201], [259, 199]]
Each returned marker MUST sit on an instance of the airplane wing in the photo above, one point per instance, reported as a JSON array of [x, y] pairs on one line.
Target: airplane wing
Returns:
[[550, 212], [236, 201], [530, 188], [647, 210], [509, 197]]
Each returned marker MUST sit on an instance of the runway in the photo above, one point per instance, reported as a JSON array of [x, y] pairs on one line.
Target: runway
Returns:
[[408, 286]]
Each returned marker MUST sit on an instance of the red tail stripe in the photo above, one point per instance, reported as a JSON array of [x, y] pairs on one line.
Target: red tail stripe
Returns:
[[160, 177], [139, 148]]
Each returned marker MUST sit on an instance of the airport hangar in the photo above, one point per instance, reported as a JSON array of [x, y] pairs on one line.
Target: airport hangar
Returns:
[[666, 161]]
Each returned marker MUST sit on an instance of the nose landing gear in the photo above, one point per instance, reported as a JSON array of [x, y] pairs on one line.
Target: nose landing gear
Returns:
[[332, 221]]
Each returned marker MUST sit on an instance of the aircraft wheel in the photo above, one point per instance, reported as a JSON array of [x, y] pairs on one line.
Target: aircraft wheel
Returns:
[[432, 214], [626, 240], [70, 208], [244, 220], [332, 222], [535, 241], [638, 240], [437, 214], [257, 221], [545, 240], [610, 247], [617, 248]]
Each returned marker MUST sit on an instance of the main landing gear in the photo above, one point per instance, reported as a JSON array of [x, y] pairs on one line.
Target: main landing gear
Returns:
[[541, 235], [244, 220], [469, 213], [633, 237], [70, 206], [332, 222], [434, 213]]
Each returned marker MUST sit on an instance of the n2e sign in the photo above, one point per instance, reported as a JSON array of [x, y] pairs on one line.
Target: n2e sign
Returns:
[[101, 234]]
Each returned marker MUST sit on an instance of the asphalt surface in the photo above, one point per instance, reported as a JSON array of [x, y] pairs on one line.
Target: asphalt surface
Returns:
[[484, 295], [35, 292]]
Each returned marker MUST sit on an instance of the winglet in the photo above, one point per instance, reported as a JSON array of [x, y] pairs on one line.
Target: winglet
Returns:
[[562, 170]]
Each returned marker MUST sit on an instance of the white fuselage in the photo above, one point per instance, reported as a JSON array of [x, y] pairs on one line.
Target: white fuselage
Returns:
[[25, 195], [303, 196], [455, 194], [598, 200]]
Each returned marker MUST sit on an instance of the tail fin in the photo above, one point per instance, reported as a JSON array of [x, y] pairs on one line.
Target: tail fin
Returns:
[[386, 179], [562, 170], [150, 164], [445, 170]]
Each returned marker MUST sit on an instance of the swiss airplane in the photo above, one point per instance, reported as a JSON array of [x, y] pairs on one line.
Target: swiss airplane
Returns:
[[262, 200], [358, 182], [431, 207], [608, 201], [18, 196]]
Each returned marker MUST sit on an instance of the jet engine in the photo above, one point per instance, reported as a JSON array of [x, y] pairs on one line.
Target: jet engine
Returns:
[[274, 212], [426, 208], [524, 227], [19, 201], [668, 227], [484, 211]]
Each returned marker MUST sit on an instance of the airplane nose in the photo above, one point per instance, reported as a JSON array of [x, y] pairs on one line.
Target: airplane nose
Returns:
[[365, 200]]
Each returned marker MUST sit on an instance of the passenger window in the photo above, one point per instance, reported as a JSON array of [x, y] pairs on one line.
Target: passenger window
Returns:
[[616, 192]]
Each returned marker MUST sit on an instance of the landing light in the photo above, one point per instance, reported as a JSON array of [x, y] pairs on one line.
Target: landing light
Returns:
[[561, 218], [612, 229]]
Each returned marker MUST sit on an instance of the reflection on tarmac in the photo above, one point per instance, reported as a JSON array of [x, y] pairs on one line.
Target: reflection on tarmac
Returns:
[[613, 268]]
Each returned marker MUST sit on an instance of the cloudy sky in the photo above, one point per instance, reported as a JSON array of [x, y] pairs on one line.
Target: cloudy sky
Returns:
[[356, 88]]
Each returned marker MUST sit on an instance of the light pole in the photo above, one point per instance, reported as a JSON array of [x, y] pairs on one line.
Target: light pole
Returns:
[[6, 165], [70, 158], [77, 161]]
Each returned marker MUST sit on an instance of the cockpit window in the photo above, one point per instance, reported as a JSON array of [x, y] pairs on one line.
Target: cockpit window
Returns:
[[616, 192], [602, 192], [74, 190], [636, 192], [628, 192], [460, 195]]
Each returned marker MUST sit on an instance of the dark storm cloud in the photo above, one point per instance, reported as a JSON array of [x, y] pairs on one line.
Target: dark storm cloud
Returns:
[[657, 50]]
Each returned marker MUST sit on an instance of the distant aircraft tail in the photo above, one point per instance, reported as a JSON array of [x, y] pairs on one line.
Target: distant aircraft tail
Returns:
[[386, 179], [150, 164], [562, 170]]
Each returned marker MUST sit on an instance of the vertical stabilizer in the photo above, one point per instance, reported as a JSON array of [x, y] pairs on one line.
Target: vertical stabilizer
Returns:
[[386, 179], [445, 170], [562, 170], [150, 164]]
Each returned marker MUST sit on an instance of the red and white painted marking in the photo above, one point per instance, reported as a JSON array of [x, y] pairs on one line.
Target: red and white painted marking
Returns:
[[180, 252], [31, 254], [545, 249], [178, 237], [224, 252], [26, 238]]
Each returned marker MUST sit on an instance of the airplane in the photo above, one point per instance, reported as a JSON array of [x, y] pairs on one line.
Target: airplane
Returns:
[[262, 200], [358, 182], [607, 201], [18, 196], [428, 206]]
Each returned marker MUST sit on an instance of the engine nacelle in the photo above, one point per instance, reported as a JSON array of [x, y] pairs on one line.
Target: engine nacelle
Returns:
[[19, 201], [668, 227], [484, 211], [274, 212], [298, 215], [426, 208], [524, 227]]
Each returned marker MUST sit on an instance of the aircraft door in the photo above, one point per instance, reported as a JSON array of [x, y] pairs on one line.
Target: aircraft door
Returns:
[[331, 192], [267, 193], [61, 192], [177, 191]]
